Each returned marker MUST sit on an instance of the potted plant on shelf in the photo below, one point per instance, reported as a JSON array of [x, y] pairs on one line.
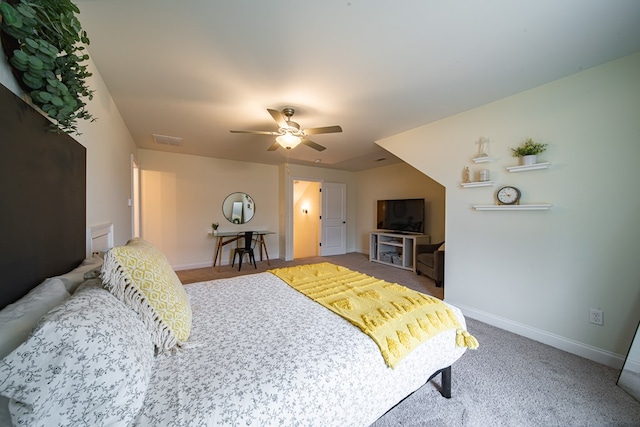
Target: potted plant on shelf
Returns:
[[215, 226], [528, 151]]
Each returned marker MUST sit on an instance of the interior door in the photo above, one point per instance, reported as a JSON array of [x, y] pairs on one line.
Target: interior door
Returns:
[[334, 219]]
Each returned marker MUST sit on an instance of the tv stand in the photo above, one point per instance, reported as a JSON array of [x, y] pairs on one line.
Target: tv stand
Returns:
[[395, 249]]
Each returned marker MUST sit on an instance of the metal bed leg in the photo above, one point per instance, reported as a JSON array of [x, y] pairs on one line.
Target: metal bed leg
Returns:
[[445, 387], [446, 382]]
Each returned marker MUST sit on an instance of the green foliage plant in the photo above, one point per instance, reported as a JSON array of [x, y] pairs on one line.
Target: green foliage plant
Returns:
[[44, 43], [528, 148]]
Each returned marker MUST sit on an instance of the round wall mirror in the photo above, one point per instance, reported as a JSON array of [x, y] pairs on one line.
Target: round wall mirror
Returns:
[[238, 208]]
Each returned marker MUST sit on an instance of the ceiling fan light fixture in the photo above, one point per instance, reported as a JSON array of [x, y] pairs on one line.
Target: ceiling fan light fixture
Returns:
[[289, 134], [288, 141]]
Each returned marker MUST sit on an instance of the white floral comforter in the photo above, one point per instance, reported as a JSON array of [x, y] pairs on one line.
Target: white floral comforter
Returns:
[[254, 363]]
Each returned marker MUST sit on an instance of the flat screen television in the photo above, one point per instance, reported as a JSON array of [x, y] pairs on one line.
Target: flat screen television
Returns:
[[401, 216]]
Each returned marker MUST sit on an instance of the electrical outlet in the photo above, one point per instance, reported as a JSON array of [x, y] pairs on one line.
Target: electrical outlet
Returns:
[[596, 316]]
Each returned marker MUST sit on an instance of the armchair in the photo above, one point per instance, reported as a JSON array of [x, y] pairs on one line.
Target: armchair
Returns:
[[430, 262]]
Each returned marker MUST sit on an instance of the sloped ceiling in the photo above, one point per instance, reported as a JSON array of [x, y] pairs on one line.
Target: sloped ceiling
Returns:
[[196, 69]]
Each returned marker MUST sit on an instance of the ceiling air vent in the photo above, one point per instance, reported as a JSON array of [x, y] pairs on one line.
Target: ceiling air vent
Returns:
[[167, 140]]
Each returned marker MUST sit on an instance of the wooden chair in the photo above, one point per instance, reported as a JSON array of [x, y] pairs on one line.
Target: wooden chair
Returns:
[[246, 247]]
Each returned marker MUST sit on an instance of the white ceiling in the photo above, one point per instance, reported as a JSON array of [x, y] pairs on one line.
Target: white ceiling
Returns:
[[196, 69]]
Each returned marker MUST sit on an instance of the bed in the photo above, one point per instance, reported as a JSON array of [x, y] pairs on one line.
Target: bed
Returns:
[[304, 366], [259, 352], [78, 350]]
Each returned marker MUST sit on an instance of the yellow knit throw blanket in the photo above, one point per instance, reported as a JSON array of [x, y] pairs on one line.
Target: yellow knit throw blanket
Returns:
[[397, 318]]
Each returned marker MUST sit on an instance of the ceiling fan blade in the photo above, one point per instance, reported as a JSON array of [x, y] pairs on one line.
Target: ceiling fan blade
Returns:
[[313, 145], [326, 129], [278, 117], [257, 132], [274, 146]]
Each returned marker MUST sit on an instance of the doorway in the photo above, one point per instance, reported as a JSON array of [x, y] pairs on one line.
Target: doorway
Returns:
[[134, 202], [306, 218], [318, 218]]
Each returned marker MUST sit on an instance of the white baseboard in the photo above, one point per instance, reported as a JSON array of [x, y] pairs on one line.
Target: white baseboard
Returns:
[[192, 266], [204, 265], [583, 350]]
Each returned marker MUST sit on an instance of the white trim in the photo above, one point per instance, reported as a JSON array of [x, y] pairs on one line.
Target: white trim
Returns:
[[99, 238], [288, 215], [134, 201], [532, 167], [537, 207], [599, 355], [477, 184], [483, 159], [192, 266], [205, 265]]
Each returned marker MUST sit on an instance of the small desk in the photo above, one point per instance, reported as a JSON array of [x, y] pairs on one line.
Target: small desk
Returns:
[[226, 237]]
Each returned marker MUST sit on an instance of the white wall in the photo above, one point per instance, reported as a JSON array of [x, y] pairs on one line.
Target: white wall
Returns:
[[538, 273], [109, 148], [181, 195], [398, 181]]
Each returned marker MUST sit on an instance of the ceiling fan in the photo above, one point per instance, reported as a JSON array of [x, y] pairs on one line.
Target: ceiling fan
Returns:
[[289, 134]]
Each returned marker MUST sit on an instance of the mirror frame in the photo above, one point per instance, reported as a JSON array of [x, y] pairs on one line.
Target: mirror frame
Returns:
[[629, 378], [238, 208]]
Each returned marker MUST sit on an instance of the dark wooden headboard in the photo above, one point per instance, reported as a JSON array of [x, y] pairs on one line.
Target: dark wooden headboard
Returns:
[[42, 196]]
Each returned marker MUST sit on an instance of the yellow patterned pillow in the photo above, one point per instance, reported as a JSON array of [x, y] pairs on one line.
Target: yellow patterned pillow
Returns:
[[140, 275]]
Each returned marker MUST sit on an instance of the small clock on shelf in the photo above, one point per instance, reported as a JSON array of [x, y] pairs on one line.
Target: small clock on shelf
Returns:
[[508, 195]]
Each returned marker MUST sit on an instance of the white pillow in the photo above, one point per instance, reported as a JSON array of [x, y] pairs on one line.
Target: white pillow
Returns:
[[88, 362], [76, 276], [18, 319]]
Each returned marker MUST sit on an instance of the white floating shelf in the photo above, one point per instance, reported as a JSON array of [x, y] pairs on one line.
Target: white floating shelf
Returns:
[[477, 184], [533, 167], [483, 159], [537, 207]]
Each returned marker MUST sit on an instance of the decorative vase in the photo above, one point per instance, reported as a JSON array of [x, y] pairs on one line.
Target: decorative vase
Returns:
[[215, 232], [528, 160]]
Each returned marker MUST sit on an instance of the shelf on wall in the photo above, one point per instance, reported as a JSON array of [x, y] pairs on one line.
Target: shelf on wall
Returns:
[[477, 184], [536, 207], [482, 159], [533, 167]]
